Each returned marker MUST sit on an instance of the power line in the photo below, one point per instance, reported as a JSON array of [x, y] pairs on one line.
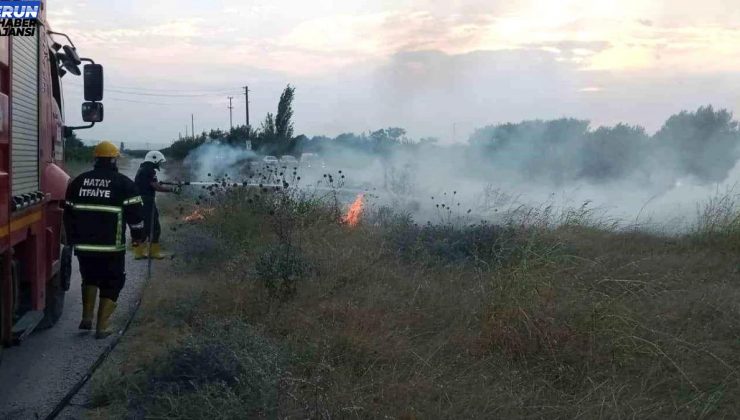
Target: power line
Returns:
[[148, 102], [175, 95], [114, 99], [205, 90], [153, 90]]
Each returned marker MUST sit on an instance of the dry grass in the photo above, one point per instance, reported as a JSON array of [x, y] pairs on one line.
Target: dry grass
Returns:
[[583, 323]]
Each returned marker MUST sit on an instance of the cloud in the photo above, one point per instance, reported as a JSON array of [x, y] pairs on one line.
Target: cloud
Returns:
[[417, 63]]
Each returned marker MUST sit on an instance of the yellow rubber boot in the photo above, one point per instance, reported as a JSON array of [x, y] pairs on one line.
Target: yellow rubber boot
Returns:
[[140, 251], [105, 310], [89, 295], [156, 252]]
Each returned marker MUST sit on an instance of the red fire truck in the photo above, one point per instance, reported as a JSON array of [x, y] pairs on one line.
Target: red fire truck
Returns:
[[35, 267]]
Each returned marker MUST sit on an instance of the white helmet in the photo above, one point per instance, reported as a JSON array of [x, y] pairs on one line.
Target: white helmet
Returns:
[[155, 156]]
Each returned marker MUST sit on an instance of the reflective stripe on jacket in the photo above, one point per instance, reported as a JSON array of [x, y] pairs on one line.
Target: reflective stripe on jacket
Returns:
[[99, 204]]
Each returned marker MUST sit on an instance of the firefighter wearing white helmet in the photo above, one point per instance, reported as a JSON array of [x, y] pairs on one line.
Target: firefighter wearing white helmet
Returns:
[[148, 185]]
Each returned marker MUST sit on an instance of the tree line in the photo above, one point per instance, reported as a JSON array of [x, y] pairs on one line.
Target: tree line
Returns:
[[702, 144]]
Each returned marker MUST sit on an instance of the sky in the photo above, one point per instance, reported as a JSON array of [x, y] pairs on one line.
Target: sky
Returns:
[[438, 69]]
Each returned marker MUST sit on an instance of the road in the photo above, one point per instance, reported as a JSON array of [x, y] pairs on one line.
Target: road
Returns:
[[36, 375]]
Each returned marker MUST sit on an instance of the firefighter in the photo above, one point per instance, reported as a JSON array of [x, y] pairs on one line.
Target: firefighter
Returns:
[[98, 205], [148, 185]]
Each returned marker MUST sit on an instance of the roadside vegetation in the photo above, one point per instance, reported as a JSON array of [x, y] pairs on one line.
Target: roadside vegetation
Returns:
[[277, 305], [282, 302], [77, 156]]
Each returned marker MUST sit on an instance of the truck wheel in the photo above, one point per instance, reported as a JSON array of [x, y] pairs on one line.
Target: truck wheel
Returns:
[[54, 303]]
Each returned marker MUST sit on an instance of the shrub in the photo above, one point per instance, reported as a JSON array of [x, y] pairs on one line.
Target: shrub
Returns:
[[280, 267], [195, 245], [226, 364], [481, 244]]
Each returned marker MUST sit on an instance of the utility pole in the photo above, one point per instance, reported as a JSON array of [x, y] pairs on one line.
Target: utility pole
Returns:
[[186, 131], [192, 125], [246, 97], [231, 119]]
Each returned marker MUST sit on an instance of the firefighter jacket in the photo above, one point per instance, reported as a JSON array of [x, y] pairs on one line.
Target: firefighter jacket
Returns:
[[99, 204]]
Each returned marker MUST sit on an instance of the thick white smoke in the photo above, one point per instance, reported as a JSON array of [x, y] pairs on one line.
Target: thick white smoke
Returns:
[[215, 160], [435, 182], [423, 177]]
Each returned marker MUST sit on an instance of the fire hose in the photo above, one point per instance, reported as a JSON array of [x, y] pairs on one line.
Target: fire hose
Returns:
[[258, 184], [113, 343]]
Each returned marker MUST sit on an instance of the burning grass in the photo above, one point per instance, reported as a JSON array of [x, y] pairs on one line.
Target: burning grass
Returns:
[[451, 320], [354, 213]]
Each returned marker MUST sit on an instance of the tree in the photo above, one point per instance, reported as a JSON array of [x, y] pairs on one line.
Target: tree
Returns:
[[72, 141], [703, 144], [283, 120], [276, 132], [216, 135], [238, 135], [384, 140], [75, 149], [268, 127], [614, 152], [542, 150]]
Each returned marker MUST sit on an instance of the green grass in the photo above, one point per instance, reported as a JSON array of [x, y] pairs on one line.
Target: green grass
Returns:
[[454, 320]]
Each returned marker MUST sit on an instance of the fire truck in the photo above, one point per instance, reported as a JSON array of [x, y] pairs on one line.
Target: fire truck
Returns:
[[35, 266]]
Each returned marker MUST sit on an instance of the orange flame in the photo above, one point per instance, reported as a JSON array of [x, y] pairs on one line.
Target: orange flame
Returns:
[[198, 214], [352, 218]]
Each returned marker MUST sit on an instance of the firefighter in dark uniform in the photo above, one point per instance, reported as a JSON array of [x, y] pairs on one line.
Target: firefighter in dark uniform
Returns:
[[99, 204], [148, 185]]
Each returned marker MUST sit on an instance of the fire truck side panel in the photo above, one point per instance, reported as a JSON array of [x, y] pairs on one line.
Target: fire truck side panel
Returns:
[[26, 91], [30, 162], [31, 169]]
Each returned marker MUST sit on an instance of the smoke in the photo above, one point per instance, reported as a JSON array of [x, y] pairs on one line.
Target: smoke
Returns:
[[215, 160], [532, 169], [619, 174]]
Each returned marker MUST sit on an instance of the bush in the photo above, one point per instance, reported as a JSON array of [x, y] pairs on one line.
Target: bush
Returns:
[[196, 245], [226, 364], [481, 244], [280, 268]]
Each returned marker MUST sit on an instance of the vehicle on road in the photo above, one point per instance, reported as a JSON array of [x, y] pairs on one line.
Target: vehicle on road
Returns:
[[288, 160], [35, 268], [270, 160], [312, 161]]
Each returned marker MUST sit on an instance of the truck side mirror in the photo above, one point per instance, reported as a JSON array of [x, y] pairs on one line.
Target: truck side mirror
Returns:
[[93, 80], [92, 112]]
